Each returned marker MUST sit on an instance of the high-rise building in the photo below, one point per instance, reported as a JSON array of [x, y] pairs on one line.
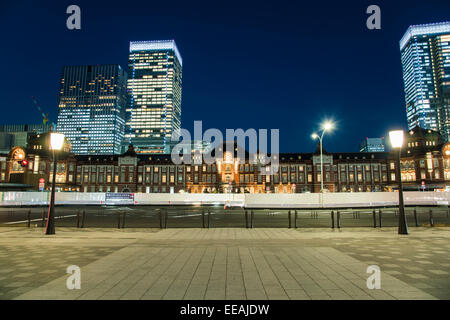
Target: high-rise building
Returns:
[[92, 103], [372, 145], [154, 86], [17, 135], [425, 54]]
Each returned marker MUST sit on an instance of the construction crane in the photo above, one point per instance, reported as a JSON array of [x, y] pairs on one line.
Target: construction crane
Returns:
[[44, 115]]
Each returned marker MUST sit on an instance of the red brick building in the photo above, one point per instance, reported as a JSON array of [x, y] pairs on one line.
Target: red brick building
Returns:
[[425, 162]]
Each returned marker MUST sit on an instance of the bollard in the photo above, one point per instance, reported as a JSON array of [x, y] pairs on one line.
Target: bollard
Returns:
[[29, 218], [374, 219], [338, 220], [166, 217], [160, 219], [246, 219], [431, 218], [332, 219], [209, 218], [251, 219], [289, 217], [295, 219], [379, 217], [415, 218], [118, 220], [82, 219], [203, 218], [123, 219]]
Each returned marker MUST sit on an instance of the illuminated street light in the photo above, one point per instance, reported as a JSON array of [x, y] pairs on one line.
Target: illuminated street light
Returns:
[[56, 141], [326, 126], [56, 144], [396, 138]]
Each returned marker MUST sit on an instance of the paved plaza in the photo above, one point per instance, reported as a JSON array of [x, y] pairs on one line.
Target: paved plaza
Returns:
[[225, 263]]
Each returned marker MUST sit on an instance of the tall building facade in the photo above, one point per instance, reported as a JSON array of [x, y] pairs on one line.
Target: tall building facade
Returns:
[[92, 103], [425, 54], [154, 87]]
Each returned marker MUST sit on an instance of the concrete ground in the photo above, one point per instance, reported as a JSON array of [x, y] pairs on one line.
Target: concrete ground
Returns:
[[225, 263]]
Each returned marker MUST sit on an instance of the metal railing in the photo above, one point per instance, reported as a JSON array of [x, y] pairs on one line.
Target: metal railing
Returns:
[[217, 217]]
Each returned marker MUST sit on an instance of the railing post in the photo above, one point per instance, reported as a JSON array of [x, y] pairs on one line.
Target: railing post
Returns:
[[43, 218], [251, 219], [415, 218], [166, 217], [379, 218], [246, 219], [289, 217], [209, 218], [431, 218], [83, 218], [338, 220], [160, 218], [29, 218], [374, 219], [78, 218], [123, 219], [332, 219], [118, 219], [295, 219], [203, 218]]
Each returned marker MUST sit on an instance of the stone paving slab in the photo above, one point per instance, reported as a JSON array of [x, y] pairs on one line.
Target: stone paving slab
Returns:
[[247, 264]]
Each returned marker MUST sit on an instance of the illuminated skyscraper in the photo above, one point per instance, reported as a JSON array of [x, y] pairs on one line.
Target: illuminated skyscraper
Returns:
[[92, 102], [425, 54], [154, 86]]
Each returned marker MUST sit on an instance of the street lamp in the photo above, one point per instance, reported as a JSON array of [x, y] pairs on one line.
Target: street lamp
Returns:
[[56, 143], [327, 126], [396, 138]]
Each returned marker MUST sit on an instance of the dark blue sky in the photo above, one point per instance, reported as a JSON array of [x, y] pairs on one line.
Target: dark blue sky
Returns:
[[246, 64]]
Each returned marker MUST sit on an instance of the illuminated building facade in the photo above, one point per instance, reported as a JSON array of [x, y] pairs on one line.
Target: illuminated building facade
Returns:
[[425, 54], [154, 85], [425, 165], [92, 103]]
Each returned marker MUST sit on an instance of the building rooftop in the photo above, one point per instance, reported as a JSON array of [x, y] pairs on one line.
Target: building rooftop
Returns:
[[424, 29], [156, 45]]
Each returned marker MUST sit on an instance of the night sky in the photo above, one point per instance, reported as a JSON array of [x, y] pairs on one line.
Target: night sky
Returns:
[[262, 64]]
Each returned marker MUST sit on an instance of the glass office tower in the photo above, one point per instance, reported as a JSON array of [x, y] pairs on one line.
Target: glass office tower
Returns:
[[154, 87], [92, 103], [425, 54]]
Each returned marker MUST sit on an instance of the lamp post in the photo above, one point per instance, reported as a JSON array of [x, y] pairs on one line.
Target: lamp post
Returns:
[[325, 127], [396, 138], [56, 143]]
